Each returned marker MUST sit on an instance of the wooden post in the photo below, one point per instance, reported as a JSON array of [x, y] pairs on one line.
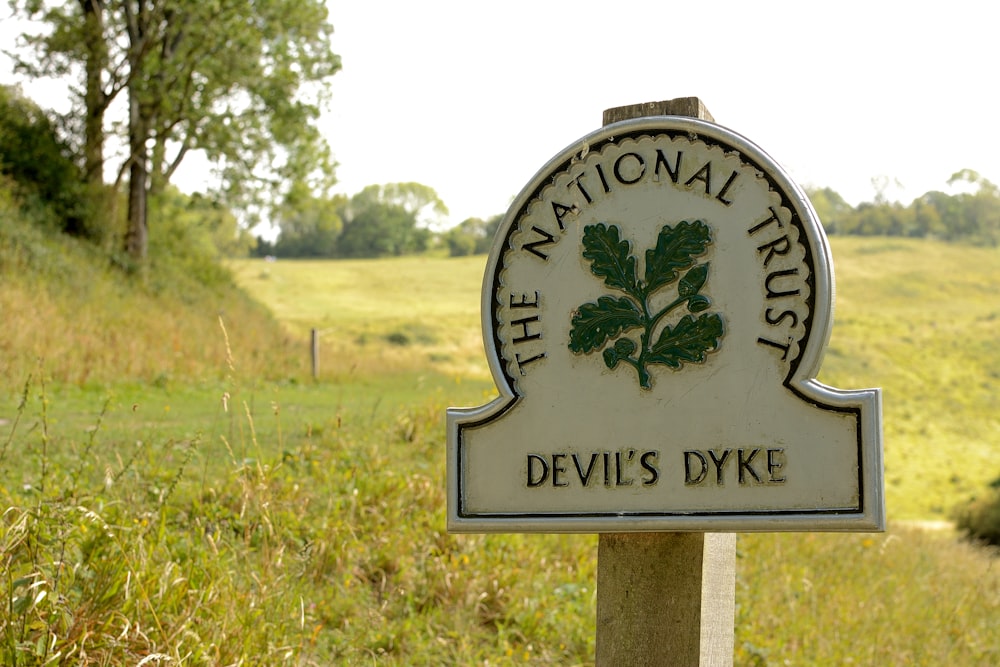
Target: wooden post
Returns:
[[665, 598], [314, 347]]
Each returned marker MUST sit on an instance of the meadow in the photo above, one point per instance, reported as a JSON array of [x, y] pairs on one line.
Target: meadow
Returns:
[[216, 505]]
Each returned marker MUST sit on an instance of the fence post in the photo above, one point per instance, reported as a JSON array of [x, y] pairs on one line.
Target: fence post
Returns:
[[314, 346]]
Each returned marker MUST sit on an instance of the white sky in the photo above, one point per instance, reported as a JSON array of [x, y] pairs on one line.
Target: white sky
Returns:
[[472, 98]]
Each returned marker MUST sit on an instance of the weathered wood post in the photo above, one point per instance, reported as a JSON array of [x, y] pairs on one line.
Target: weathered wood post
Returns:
[[655, 308], [665, 598]]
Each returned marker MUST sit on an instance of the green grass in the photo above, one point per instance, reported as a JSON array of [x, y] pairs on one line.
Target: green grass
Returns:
[[243, 513]]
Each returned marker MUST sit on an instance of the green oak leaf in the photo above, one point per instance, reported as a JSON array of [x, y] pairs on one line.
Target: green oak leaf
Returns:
[[689, 340], [594, 323], [676, 248], [610, 257]]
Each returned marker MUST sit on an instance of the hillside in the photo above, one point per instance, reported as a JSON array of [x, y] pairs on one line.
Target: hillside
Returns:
[[916, 317], [68, 314]]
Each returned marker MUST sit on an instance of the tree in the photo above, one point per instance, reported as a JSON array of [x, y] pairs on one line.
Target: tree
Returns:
[[310, 225], [472, 236], [830, 207], [241, 80], [41, 164], [392, 219]]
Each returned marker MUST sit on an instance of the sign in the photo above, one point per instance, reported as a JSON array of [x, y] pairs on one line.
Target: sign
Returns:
[[655, 308]]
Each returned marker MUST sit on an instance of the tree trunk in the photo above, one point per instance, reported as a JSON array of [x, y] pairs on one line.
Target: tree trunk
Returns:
[[137, 234], [94, 95]]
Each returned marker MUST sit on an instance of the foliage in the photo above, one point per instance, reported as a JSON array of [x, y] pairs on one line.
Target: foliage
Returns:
[[596, 323], [980, 519], [246, 99], [41, 165], [972, 215], [829, 206], [190, 236], [472, 236], [310, 226]]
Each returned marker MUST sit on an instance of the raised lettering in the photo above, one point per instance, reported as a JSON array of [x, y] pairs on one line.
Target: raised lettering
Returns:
[[538, 480], [746, 465], [558, 470], [585, 476], [545, 240], [704, 175], [760, 225], [773, 466], [523, 323], [604, 179], [770, 343], [779, 246], [672, 172], [524, 303], [618, 469], [725, 188], [771, 293], [578, 182], [719, 464], [641, 168], [560, 211], [692, 480], [654, 472], [785, 314], [521, 363]]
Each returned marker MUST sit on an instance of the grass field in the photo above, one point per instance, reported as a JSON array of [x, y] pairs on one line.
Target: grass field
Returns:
[[249, 515]]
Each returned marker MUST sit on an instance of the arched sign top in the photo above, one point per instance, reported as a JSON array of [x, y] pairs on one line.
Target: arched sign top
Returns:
[[655, 309]]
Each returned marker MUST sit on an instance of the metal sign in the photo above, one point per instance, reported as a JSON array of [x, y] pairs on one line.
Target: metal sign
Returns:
[[655, 308]]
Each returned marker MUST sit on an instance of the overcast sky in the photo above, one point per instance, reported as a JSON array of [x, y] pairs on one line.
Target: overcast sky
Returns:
[[472, 98]]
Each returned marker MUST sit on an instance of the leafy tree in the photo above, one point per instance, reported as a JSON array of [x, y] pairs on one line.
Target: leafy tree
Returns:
[[830, 207], [472, 236], [310, 226], [392, 219], [191, 234], [228, 77], [34, 156]]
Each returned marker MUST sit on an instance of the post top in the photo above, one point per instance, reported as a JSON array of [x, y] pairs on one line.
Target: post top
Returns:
[[679, 106]]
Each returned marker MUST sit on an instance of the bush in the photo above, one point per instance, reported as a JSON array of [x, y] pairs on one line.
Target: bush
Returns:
[[50, 185], [980, 520]]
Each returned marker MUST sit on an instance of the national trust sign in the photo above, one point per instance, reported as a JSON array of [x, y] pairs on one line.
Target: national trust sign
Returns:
[[655, 308]]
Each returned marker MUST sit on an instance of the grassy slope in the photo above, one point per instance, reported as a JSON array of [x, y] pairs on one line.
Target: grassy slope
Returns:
[[69, 315]]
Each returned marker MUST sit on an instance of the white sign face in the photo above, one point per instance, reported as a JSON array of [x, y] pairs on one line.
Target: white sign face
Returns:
[[655, 308]]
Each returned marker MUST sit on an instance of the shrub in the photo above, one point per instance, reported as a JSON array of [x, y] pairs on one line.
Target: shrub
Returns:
[[980, 519], [50, 185]]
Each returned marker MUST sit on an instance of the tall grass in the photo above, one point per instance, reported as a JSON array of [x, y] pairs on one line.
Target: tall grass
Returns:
[[222, 549], [323, 542]]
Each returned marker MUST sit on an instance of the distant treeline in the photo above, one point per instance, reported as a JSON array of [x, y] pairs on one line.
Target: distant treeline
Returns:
[[376, 223], [972, 215]]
